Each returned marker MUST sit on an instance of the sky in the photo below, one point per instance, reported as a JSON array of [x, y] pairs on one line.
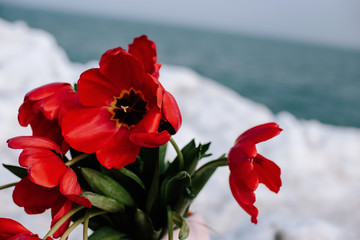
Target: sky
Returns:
[[334, 22]]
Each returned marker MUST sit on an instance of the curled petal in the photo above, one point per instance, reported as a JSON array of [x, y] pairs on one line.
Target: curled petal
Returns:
[[44, 91], [44, 167], [145, 139], [62, 206], [268, 172], [171, 112], [244, 199], [70, 188], [260, 133], [9, 228], [23, 142], [34, 198], [119, 151], [242, 151], [145, 50]]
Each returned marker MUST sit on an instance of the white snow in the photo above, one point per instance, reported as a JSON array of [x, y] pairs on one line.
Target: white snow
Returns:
[[320, 196]]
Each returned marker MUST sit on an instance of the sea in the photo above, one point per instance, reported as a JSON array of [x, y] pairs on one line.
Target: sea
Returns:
[[309, 80]]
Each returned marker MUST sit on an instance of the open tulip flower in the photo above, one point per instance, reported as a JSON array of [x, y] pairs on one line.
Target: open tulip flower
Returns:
[[97, 156]]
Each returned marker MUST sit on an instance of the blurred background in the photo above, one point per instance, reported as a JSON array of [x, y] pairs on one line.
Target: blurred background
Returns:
[[296, 56]]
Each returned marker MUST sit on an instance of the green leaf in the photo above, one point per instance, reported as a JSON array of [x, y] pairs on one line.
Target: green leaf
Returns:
[[16, 170], [103, 202], [105, 185], [174, 191], [203, 174], [132, 175], [108, 233], [144, 226], [182, 224]]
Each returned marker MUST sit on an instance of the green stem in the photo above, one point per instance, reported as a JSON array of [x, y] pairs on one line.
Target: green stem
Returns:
[[86, 225], [179, 153], [76, 159], [222, 161], [62, 221], [170, 224], [8, 185], [77, 223]]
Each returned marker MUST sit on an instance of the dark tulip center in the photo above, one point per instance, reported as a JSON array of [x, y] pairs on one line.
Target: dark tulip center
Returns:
[[129, 108]]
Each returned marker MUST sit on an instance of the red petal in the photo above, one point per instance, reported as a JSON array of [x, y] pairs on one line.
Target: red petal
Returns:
[[95, 90], [122, 70], [23, 142], [150, 139], [34, 198], [145, 50], [171, 111], [57, 212], [260, 133], [243, 193], [88, 129], [26, 114], [9, 228], [268, 172], [242, 151], [240, 196], [70, 187], [44, 167], [119, 151], [44, 91]]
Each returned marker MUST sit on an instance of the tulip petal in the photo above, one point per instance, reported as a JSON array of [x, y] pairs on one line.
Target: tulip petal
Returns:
[[70, 187], [145, 50], [122, 70], [44, 91], [34, 198], [32, 142], [260, 133], [145, 139], [44, 167], [246, 205], [62, 206], [88, 129], [119, 151], [268, 172], [95, 90], [171, 111], [9, 228]]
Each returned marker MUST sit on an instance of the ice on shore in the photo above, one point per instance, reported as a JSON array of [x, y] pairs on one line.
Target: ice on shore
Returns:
[[320, 196]]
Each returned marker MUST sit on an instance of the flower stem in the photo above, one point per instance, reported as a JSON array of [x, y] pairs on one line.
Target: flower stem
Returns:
[[76, 159], [62, 220], [179, 153], [80, 220], [170, 224], [86, 225], [8, 185]]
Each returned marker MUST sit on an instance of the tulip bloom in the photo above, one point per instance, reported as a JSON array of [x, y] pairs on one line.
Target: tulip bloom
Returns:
[[49, 184], [41, 108], [122, 107], [248, 168], [12, 230]]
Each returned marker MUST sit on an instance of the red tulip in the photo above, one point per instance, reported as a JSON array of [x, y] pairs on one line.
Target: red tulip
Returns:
[[248, 168], [122, 107], [41, 108], [12, 230]]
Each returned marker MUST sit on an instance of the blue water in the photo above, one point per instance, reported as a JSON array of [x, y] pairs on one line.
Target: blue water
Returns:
[[310, 81]]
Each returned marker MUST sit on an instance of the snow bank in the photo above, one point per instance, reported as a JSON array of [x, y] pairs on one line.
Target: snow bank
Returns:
[[320, 163]]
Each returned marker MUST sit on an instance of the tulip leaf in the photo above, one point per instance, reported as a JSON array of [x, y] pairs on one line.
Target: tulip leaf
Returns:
[[132, 175], [103, 202], [182, 224], [16, 170], [145, 228], [105, 185], [174, 190], [203, 174], [108, 233]]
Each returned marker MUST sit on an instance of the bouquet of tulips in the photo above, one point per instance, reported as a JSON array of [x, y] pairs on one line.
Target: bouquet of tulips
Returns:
[[97, 156]]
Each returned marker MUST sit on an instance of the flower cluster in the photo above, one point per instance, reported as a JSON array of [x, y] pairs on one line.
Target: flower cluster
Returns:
[[97, 155]]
